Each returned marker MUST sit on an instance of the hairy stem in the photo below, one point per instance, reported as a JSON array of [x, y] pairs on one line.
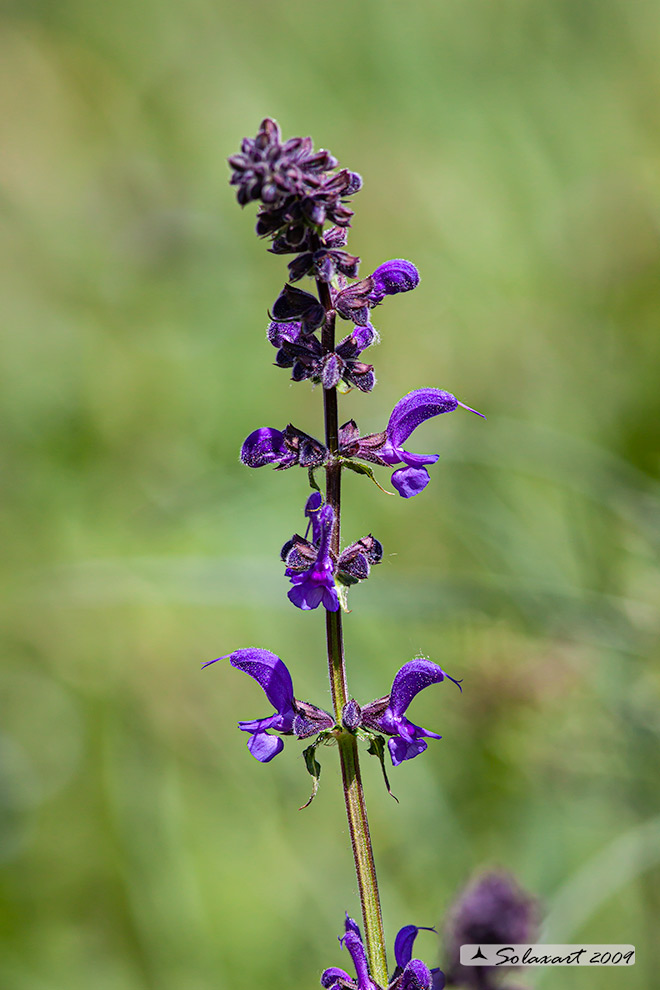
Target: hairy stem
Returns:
[[356, 810]]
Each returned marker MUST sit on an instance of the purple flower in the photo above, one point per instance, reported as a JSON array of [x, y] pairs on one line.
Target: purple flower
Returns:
[[388, 715], [491, 910], [304, 354], [310, 567], [410, 974], [386, 448], [282, 448], [291, 717], [354, 301]]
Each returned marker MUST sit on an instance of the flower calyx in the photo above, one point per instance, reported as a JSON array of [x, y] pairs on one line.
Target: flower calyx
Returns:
[[308, 359]]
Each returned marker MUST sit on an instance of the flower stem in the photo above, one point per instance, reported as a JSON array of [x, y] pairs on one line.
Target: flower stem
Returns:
[[356, 810]]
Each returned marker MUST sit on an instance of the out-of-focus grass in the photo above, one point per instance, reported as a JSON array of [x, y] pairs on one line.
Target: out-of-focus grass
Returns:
[[511, 150]]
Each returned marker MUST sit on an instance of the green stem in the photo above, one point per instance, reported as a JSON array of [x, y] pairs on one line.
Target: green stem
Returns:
[[356, 810]]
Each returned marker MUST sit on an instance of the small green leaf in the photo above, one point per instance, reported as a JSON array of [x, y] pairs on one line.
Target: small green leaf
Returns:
[[313, 769], [377, 748], [312, 480], [363, 469]]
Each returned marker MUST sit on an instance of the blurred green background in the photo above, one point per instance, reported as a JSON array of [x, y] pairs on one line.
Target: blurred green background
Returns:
[[511, 149]]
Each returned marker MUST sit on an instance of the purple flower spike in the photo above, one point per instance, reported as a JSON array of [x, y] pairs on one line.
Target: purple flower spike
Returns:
[[387, 714], [392, 277], [291, 717], [315, 585], [492, 909]]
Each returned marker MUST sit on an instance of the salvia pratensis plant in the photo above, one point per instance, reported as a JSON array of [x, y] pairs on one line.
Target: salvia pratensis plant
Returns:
[[303, 211]]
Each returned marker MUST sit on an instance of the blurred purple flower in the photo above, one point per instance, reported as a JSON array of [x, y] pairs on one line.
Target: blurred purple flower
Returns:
[[387, 715], [493, 910], [291, 717]]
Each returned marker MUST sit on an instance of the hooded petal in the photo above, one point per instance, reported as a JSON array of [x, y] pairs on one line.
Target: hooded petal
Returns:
[[264, 747], [392, 277], [263, 446], [404, 941], [412, 678], [415, 408], [270, 673]]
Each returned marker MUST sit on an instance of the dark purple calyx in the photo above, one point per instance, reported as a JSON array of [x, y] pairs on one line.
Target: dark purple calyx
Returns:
[[293, 304], [306, 357]]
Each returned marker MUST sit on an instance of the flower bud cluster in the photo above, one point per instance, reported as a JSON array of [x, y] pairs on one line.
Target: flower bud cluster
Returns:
[[297, 187]]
